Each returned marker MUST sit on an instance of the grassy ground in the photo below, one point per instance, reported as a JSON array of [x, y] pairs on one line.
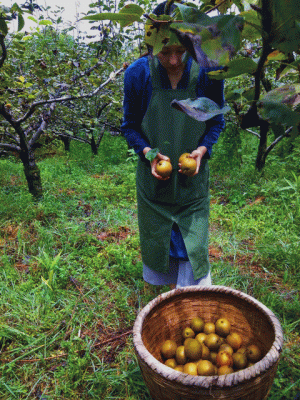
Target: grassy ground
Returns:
[[71, 286]]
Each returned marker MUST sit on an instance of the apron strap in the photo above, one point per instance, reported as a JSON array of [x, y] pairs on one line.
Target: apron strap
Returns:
[[155, 77]]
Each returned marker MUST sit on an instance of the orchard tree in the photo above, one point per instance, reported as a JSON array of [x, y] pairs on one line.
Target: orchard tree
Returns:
[[246, 39], [39, 72]]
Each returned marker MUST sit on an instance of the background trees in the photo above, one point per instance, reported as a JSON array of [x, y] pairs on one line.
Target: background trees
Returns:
[[54, 85]]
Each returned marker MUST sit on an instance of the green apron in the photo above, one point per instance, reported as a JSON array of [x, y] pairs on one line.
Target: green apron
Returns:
[[181, 199]]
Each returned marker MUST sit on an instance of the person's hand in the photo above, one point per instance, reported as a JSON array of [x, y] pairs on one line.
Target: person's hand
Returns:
[[158, 157], [197, 156]]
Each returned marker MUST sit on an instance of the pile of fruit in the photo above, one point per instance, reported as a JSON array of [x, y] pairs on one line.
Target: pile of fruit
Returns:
[[209, 349]]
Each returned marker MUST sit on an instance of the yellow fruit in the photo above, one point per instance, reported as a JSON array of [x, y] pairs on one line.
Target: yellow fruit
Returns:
[[188, 333], [188, 165], [171, 362], [222, 327], [190, 368], [179, 368], [193, 350], [253, 353], [164, 168], [8, 105], [224, 370], [226, 347], [209, 327], [242, 350], [205, 352], [180, 355], [201, 337], [197, 324], [213, 356], [239, 360], [183, 157], [224, 358], [205, 368], [213, 341], [234, 340], [168, 349], [187, 340]]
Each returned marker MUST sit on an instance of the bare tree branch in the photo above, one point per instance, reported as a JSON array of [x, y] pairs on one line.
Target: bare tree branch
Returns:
[[10, 147], [69, 98]]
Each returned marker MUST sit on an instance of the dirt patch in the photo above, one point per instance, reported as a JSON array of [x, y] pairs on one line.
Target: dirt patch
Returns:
[[113, 235]]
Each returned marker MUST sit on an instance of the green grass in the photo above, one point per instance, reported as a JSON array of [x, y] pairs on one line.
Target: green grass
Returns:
[[71, 273]]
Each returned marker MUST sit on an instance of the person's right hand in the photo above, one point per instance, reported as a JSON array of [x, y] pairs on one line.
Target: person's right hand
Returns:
[[158, 157]]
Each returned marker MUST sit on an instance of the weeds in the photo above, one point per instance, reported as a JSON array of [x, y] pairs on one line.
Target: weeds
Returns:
[[71, 273]]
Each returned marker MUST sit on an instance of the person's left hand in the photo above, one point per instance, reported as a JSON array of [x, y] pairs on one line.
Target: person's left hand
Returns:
[[197, 155]]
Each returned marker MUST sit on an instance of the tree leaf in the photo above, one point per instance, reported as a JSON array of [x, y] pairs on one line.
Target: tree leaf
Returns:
[[152, 154], [214, 41], [234, 68], [123, 18], [21, 22], [252, 25], [201, 108], [3, 27], [278, 113], [278, 105], [157, 35]]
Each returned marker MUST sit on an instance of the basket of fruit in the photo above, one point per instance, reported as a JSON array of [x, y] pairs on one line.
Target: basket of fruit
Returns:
[[207, 343]]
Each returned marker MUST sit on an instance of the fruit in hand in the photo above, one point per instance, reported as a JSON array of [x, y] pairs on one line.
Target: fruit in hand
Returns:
[[188, 165], [164, 168]]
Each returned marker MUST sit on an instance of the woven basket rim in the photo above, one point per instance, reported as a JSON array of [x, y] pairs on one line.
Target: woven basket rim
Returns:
[[235, 378]]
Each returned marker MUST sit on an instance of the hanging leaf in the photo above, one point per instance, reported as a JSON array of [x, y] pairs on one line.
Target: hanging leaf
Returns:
[[200, 109], [278, 106], [126, 16], [234, 68], [214, 41], [278, 130], [252, 25], [157, 34], [21, 22]]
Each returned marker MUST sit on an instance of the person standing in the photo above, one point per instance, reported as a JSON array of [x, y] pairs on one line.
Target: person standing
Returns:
[[173, 212]]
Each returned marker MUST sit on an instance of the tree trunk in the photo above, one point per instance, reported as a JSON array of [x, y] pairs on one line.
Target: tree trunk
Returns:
[[262, 148], [66, 141], [94, 146], [32, 173]]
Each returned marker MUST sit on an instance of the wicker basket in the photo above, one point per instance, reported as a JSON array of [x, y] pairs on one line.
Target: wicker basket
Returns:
[[165, 316]]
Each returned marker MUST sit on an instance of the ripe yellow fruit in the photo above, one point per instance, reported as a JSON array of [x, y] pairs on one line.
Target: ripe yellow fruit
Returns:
[[201, 337], [190, 368], [234, 340], [239, 360], [224, 358], [209, 327], [188, 165], [224, 370], [164, 168], [180, 355], [253, 353], [205, 368], [171, 362], [223, 327], [213, 342], [8, 105], [193, 350], [168, 349], [179, 368], [205, 352], [226, 347], [197, 324], [188, 333]]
